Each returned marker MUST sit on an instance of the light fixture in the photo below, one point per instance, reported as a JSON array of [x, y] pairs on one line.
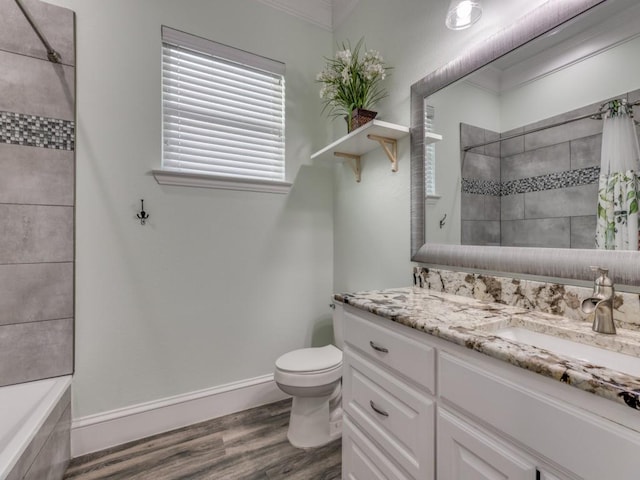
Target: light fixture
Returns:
[[463, 14]]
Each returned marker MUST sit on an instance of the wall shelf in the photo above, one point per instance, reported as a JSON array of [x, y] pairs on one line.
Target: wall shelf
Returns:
[[431, 137], [375, 134]]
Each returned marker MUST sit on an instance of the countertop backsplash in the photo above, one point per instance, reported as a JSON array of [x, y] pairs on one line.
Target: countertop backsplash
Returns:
[[546, 297]]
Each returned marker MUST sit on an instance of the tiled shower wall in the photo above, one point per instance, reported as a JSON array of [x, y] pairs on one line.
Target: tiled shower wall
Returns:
[[480, 203], [37, 176], [546, 185]]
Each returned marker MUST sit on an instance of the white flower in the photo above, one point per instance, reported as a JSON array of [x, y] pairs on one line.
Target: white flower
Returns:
[[345, 75], [373, 55], [344, 56]]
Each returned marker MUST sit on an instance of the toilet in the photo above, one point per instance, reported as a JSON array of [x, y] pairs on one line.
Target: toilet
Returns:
[[312, 376]]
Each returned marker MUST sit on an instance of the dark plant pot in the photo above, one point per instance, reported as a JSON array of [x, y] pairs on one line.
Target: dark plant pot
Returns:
[[359, 116]]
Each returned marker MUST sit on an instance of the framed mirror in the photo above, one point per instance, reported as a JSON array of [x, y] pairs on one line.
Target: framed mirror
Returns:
[[554, 39]]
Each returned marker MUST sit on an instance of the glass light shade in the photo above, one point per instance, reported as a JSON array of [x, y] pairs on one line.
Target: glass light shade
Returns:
[[463, 14]]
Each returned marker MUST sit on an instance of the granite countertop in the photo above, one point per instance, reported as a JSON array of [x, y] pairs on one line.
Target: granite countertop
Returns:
[[470, 323]]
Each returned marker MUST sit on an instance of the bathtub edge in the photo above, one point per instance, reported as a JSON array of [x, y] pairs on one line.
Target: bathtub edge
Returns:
[[53, 422]]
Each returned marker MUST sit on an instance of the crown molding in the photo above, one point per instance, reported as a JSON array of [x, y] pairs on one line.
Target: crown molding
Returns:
[[317, 12], [608, 34], [326, 14], [603, 36]]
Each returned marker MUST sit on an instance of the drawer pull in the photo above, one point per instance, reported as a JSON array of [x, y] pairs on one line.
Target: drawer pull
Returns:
[[378, 348], [377, 409]]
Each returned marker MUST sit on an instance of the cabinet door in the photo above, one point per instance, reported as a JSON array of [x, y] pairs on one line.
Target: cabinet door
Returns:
[[362, 460], [466, 453]]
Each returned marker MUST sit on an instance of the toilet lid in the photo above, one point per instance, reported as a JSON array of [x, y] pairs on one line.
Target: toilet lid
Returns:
[[311, 360]]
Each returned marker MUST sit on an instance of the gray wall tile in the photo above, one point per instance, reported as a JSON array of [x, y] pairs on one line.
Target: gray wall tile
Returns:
[[475, 165], [491, 207], [563, 133], [512, 207], [37, 202], [492, 149], [566, 116], [33, 292], [514, 145], [546, 232], [583, 231], [633, 97], [586, 152], [34, 233], [479, 207], [481, 232], [36, 87], [36, 175], [561, 202], [55, 23], [471, 135], [472, 206], [554, 158], [31, 351]]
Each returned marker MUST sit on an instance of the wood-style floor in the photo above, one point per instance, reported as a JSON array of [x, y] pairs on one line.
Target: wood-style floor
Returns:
[[250, 445]]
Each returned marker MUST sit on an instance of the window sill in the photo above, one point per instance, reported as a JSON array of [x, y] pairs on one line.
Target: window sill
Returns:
[[183, 179], [432, 199]]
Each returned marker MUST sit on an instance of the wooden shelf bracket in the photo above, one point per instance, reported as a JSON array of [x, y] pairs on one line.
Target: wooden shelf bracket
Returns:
[[354, 163], [390, 147], [363, 140]]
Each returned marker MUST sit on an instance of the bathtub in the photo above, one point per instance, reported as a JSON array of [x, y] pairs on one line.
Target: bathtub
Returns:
[[34, 429]]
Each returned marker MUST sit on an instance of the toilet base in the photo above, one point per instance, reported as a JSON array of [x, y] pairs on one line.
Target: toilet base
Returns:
[[312, 424]]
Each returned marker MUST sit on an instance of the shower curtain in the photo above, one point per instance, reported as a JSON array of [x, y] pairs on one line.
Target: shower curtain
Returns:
[[619, 186]]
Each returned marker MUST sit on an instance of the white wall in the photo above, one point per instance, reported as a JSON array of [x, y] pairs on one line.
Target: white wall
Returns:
[[372, 244], [218, 283], [594, 79], [459, 103]]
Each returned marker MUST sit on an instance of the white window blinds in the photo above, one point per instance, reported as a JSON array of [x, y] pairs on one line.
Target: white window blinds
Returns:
[[429, 154], [222, 110]]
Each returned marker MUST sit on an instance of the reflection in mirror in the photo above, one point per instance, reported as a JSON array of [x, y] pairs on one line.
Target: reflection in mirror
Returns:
[[521, 157], [505, 195]]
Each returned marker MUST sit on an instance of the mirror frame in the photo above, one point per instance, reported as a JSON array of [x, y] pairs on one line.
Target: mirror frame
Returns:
[[560, 264]]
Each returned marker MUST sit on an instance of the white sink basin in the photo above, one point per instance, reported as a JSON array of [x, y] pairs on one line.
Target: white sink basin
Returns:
[[580, 351]]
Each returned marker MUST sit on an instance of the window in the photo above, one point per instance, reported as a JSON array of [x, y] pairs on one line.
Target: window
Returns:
[[222, 116], [429, 155]]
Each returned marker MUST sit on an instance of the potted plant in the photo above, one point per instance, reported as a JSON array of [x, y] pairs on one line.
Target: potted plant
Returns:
[[351, 84]]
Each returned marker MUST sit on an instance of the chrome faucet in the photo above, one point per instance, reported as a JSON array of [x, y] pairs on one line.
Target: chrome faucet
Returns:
[[601, 303]]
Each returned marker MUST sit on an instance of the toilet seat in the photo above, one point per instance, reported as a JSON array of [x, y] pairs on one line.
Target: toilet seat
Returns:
[[310, 361], [309, 367]]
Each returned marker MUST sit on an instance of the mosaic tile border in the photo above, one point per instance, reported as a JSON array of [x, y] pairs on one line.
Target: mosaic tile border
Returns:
[[481, 187], [36, 131], [550, 181]]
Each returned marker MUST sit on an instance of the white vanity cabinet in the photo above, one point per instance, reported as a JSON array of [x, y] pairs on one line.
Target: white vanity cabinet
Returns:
[[420, 407], [389, 410]]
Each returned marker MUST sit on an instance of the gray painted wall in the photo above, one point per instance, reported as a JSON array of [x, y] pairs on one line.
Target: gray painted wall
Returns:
[[37, 177]]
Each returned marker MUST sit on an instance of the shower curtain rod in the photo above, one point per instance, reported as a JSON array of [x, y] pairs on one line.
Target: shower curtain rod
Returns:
[[596, 116], [52, 55]]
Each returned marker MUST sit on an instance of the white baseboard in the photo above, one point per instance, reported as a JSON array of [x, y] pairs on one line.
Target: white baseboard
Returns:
[[103, 430]]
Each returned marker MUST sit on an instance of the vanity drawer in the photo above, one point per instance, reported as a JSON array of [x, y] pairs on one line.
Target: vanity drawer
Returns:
[[411, 358], [398, 417], [362, 460], [566, 435]]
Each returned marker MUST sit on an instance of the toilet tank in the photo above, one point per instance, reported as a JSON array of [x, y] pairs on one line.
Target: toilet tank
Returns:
[[338, 317]]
